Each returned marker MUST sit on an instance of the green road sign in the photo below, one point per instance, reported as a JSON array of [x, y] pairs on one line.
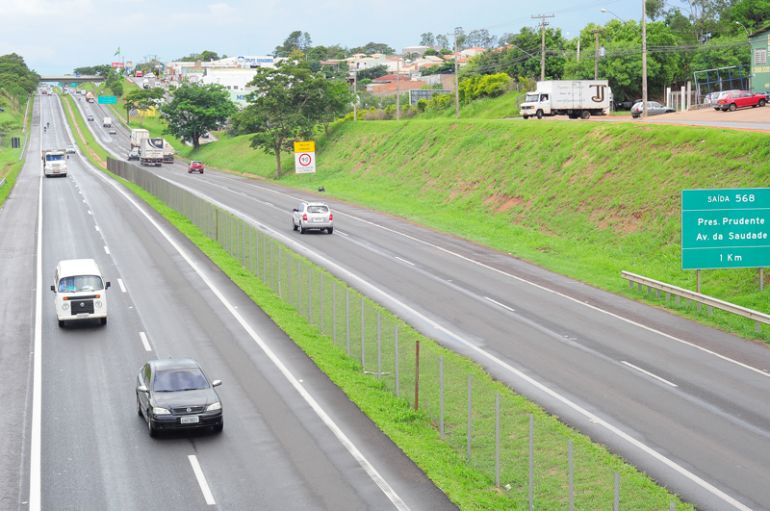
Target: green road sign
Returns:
[[107, 100], [727, 228], [74, 85]]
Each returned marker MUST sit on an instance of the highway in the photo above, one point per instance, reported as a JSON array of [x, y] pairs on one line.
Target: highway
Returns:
[[291, 439], [686, 403]]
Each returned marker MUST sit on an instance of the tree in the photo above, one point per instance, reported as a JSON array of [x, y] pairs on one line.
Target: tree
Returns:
[[204, 56], [286, 104], [479, 39], [100, 70], [196, 109], [442, 41], [427, 39], [371, 73], [297, 40], [370, 48], [16, 79], [143, 99]]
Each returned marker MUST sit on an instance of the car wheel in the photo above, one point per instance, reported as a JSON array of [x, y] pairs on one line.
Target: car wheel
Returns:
[[585, 115], [301, 229], [732, 107], [762, 102], [217, 428], [539, 114], [153, 432], [293, 225], [61, 323], [330, 230], [138, 407], [525, 117], [103, 321]]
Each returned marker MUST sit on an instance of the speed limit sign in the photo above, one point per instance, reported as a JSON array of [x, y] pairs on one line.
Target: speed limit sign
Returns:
[[304, 157]]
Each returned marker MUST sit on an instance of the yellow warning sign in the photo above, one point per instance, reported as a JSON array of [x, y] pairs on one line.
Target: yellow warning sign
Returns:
[[306, 146]]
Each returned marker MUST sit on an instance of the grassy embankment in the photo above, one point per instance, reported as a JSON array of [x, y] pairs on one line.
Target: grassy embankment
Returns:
[[583, 199], [468, 486], [11, 120]]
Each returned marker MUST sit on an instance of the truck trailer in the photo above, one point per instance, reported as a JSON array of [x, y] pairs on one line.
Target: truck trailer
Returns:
[[151, 152], [573, 98], [168, 152], [90, 97]]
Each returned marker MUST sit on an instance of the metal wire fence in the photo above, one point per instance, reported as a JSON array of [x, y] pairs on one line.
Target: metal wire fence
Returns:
[[529, 457]]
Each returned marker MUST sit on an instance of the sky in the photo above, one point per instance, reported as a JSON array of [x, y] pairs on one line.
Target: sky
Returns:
[[56, 36]]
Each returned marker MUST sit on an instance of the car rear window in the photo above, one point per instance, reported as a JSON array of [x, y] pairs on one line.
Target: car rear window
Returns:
[[317, 209], [175, 380]]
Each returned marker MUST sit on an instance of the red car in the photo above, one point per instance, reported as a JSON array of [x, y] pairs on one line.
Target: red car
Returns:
[[741, 99], [195, 166]]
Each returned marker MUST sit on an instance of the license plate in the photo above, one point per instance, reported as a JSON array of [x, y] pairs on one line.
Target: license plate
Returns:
[[190, 419], [318, 220]]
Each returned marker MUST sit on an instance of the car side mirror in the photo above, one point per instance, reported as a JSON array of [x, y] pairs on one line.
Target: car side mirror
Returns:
[[53, 288], [142, 388], [107, 285], [216, 383], [295, 210]]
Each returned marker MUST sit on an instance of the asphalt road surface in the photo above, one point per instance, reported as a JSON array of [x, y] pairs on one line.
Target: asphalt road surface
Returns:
[[291, 440], [686, 403]]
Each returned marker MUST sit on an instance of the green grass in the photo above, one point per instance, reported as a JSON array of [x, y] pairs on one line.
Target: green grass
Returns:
[[10, 164], [502, 107], [254, 266]]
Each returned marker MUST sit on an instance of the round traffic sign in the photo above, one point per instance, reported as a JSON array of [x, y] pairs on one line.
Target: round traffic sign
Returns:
[[305, 159]]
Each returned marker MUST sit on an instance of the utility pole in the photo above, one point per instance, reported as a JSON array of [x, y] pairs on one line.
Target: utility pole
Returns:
[[355, 93], [457, 78], [644, 59], [543, 24], [596, 53], [578, 49], [398, 90]]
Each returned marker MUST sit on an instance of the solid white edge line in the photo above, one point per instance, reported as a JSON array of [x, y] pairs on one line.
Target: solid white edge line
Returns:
[[121, 285], [35, 452], [204, 485], [500, 304], [106, 250], [96, 227], [370, 470], [342, 233], [648, 373], [376, 291], [410, 263], [145, 342]]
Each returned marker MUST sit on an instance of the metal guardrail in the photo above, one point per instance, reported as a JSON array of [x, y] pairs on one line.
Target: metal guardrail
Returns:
[[710, 301]]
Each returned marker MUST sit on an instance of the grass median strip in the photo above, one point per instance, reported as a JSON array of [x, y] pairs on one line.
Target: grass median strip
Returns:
[[469, 485]]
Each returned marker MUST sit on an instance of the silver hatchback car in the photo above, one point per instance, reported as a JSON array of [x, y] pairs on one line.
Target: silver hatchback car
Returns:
[[312, 216]]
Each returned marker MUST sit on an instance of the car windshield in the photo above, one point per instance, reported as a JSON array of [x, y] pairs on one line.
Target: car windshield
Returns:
[[80, 283], [317, 209], [532, 98], [54, 157], [177, 380]]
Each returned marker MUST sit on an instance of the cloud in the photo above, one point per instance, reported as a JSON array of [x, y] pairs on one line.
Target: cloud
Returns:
[[43, 8]]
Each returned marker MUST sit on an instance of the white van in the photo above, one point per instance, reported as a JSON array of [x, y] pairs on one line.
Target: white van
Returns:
[[80, 291]]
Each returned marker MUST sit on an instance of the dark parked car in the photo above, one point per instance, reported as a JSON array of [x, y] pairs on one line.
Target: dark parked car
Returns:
[[174, 394], [626, 104], [195, 166], [653, 108]]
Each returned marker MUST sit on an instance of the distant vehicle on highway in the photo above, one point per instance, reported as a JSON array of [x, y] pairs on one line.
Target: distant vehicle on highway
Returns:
[[54, 162], [312, 216], [139, 74], [112, 131], [573, 98], [71, 149], [79, 291], [174, 394], [653, 108], [195, 166], [89, 117], [150, 75], [740, 99], [133, 154]]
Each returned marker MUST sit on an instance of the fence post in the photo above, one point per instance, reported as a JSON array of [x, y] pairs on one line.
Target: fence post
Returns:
[[321, 302], [280, 293], [334, 312], [571, 476], [497, 439], [531, 462], [470, 421], [441, 395], [616, 499], [417, 375], [395, 356], [379, 345], [363, 333], [310, 295], [347, 320]]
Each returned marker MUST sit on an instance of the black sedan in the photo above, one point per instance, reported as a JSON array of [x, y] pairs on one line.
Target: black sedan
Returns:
[[174, 394]]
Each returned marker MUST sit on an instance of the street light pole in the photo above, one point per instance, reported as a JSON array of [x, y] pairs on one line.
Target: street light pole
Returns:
[[596, 53], [457, 77], [644, 59]]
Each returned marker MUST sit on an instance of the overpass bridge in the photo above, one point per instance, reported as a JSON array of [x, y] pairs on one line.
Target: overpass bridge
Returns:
[[72, 78]]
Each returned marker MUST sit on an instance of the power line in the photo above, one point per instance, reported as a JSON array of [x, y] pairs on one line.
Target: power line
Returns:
[[543, 24]]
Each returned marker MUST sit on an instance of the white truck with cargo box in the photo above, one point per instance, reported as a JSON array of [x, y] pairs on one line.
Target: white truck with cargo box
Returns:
[[107, 123], [54, 162], [79, 291], [168, 152], [137, 136], [573, 98], [151, 152]]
